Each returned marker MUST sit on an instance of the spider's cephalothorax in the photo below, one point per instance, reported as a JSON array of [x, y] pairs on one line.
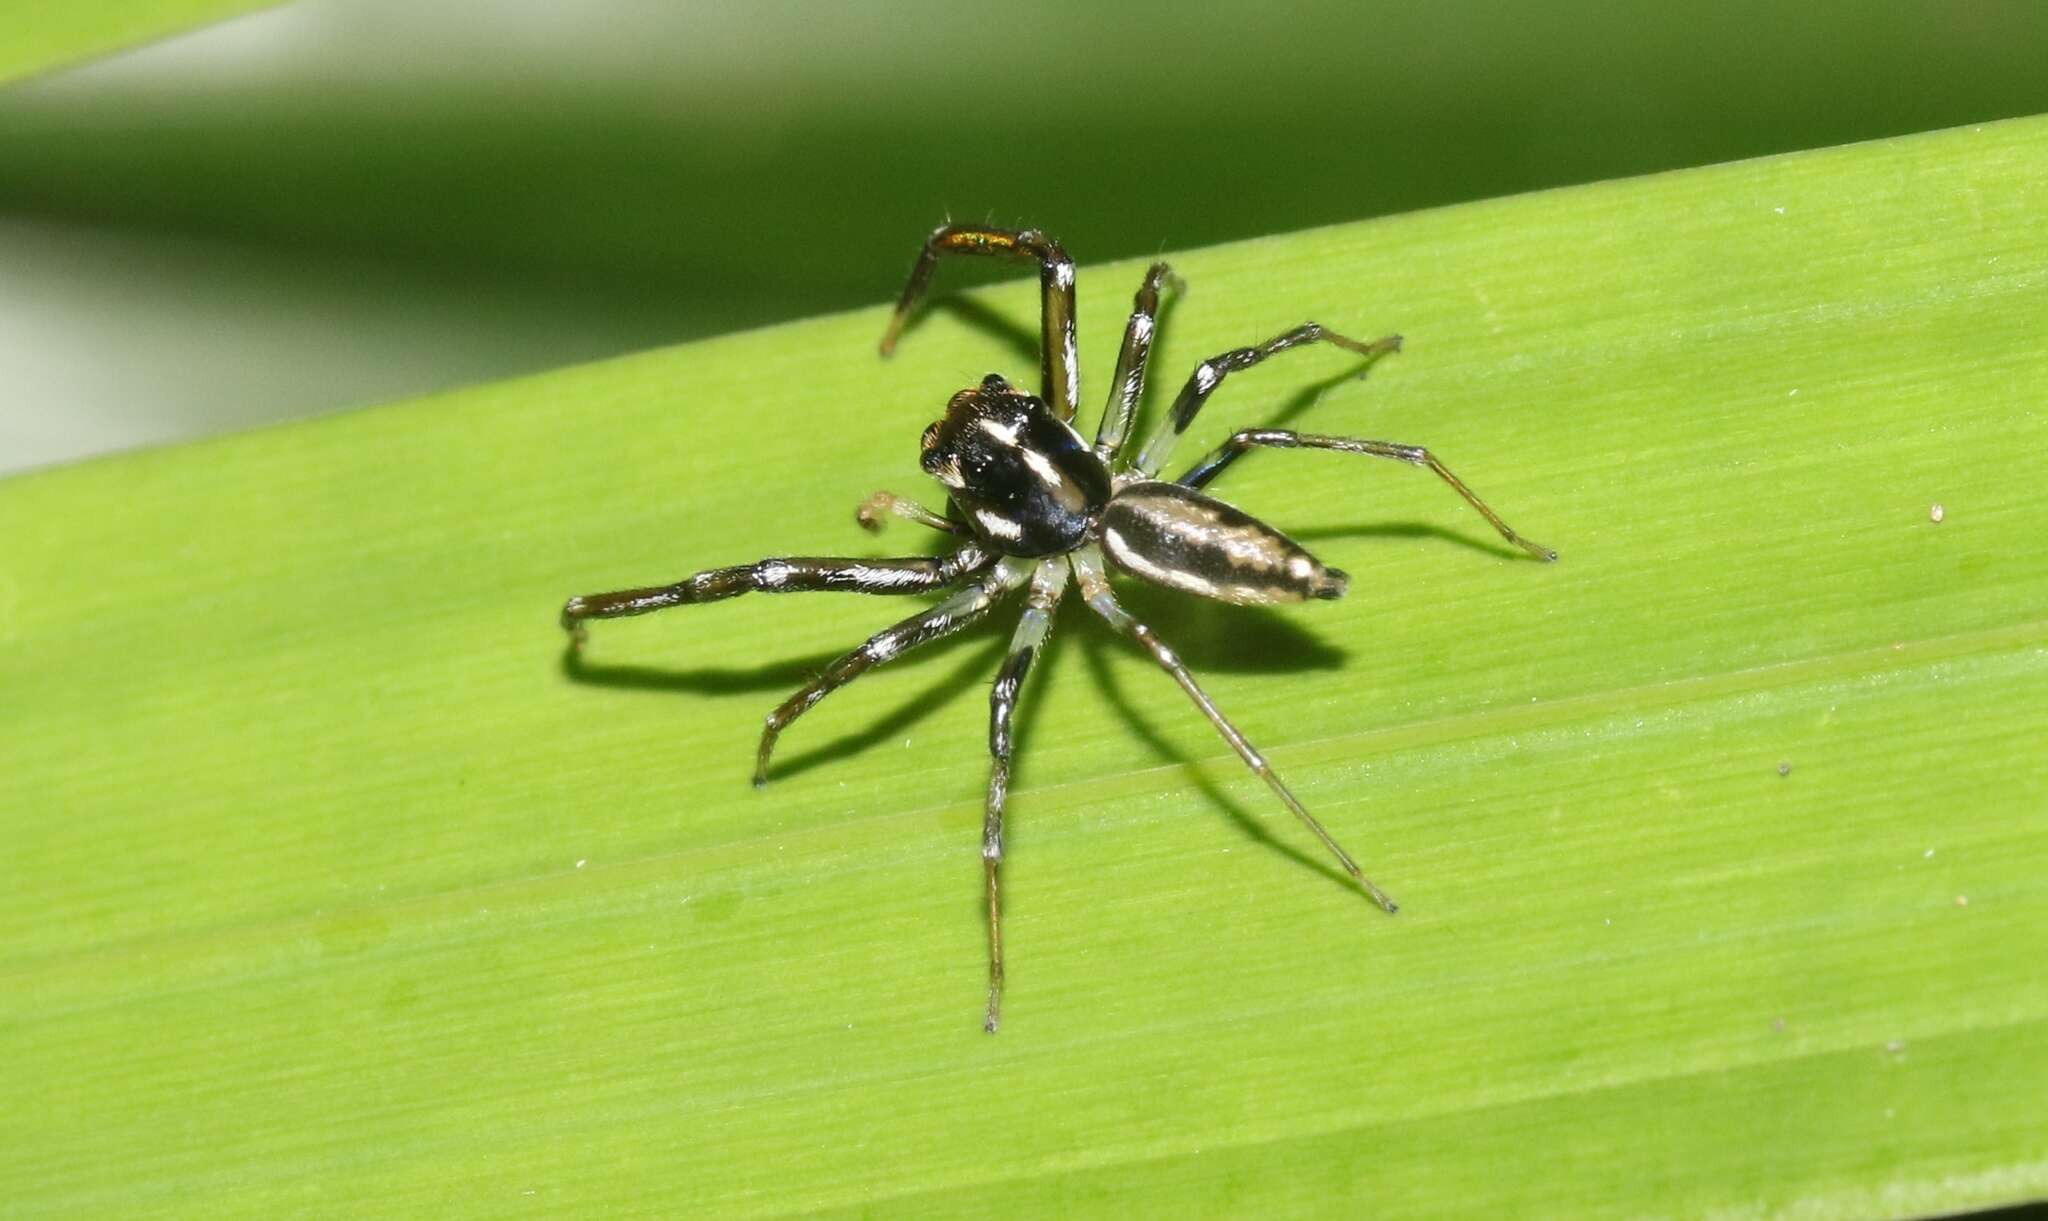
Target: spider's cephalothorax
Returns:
[[1025, 480], [1035, 506]]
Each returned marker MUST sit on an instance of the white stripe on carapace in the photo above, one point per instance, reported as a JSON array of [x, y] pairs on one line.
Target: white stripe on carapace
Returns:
[[998, 525], [1042, 467]]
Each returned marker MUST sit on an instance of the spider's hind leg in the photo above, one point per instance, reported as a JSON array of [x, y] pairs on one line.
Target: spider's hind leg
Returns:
[[1088, 566], [964, 608], [1210, 374], [1280, 438]]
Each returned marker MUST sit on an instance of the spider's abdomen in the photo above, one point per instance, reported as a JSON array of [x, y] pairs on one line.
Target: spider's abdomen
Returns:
[[1025, 480], [1177, 537]]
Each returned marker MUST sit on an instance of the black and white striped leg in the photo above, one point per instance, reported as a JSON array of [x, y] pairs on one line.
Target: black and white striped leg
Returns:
[[1128, 386], [794, 574], [1210, 374], [1088, 568], [875, 509], [1059, 365], [1280, 438], [964, 608], [1047, 584]]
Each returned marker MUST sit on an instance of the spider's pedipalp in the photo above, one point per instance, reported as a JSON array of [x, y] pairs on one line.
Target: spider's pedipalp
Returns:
[[875, 508]]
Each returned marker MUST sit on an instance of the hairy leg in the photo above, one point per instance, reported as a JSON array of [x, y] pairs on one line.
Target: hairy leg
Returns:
[[1210, 374], [964, 608], [796, 574], [1047, 584], [1280, 438], [1059, 364], [1128, 385], [1088, 566]]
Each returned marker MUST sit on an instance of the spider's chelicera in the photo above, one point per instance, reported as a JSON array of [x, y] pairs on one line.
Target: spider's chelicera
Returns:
[[1036, 506]]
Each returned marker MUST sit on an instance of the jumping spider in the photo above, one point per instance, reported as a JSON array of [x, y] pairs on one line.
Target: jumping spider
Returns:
[[1033, 504]]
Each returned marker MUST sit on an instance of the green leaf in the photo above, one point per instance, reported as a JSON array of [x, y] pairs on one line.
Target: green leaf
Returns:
[[1720, 842], [42, 37]]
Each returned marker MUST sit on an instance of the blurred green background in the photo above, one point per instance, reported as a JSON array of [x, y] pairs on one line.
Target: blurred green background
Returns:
[[328, 204]]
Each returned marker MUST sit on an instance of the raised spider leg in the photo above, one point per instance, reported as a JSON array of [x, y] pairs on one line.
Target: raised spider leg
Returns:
[[1088, 567], [874, 508], [1059, 366], [1128, 386], [964, 608], [1210, 374], [1047, 584], [1280, 438], [795, 574]]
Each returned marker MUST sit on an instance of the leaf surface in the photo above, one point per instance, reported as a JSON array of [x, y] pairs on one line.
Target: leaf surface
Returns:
[[1720, 842]]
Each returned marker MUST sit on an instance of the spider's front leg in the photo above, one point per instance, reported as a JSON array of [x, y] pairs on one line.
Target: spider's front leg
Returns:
[[1047, 584], [795, 574], [1089, 568], [964, 608], [1059, 364]]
